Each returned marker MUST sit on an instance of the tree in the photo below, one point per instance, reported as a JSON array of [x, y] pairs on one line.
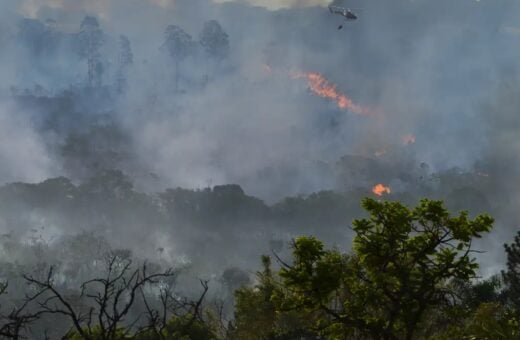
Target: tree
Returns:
[[103, 307], [14, 323], [125, 60], [214, 40], [178, 44], [177, 318], [402, 263], [477, 313], [511, 275], [91, 39], [257, 316], [111, 184], [255, 313], [126, 56], [488, 321], [38, 37]]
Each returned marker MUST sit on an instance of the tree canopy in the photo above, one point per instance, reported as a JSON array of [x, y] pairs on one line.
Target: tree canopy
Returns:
[[402, 264]]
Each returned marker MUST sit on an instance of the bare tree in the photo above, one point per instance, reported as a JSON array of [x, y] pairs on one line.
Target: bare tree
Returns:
[[20, 316], [172, 305], [103, 308]]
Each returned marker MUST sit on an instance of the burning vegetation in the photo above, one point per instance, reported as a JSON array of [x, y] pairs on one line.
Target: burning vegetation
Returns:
[[381, 189], [320, 86]]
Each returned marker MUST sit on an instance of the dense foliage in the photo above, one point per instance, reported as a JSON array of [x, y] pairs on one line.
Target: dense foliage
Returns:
[[408, 271], [411, 273]]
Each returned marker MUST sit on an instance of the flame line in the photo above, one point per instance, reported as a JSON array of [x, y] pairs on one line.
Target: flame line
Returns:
[[321, 87]]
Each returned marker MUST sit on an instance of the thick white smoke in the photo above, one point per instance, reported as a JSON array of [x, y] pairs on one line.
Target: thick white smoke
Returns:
[[23, 156]]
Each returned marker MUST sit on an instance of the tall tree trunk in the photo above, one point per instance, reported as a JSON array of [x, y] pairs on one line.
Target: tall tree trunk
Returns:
[[176, 75]]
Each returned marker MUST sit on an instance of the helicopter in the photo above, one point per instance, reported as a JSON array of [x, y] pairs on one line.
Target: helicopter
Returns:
[[344, 12]]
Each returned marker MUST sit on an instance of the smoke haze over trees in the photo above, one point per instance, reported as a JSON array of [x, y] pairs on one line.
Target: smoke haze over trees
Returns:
[[206, 133]]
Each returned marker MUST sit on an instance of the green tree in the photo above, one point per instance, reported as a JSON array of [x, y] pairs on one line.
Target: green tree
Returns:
[[402, 263], [489, 321], [257, 316], [255, 312], [511, 275]]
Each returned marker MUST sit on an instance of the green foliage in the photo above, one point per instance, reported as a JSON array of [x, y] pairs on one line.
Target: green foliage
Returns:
[[406, 257], [257, 316], [511, 276], [489, 321], [180, 328], [402, 264], [97, 333], [484, 291], [186, 328]]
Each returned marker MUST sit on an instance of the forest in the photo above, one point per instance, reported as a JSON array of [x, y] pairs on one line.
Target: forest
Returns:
[[203, 169], [411, 274]]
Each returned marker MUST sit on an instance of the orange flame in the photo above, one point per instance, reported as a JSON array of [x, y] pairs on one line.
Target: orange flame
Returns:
[[408, 139], [380, 189], [321, 87]]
